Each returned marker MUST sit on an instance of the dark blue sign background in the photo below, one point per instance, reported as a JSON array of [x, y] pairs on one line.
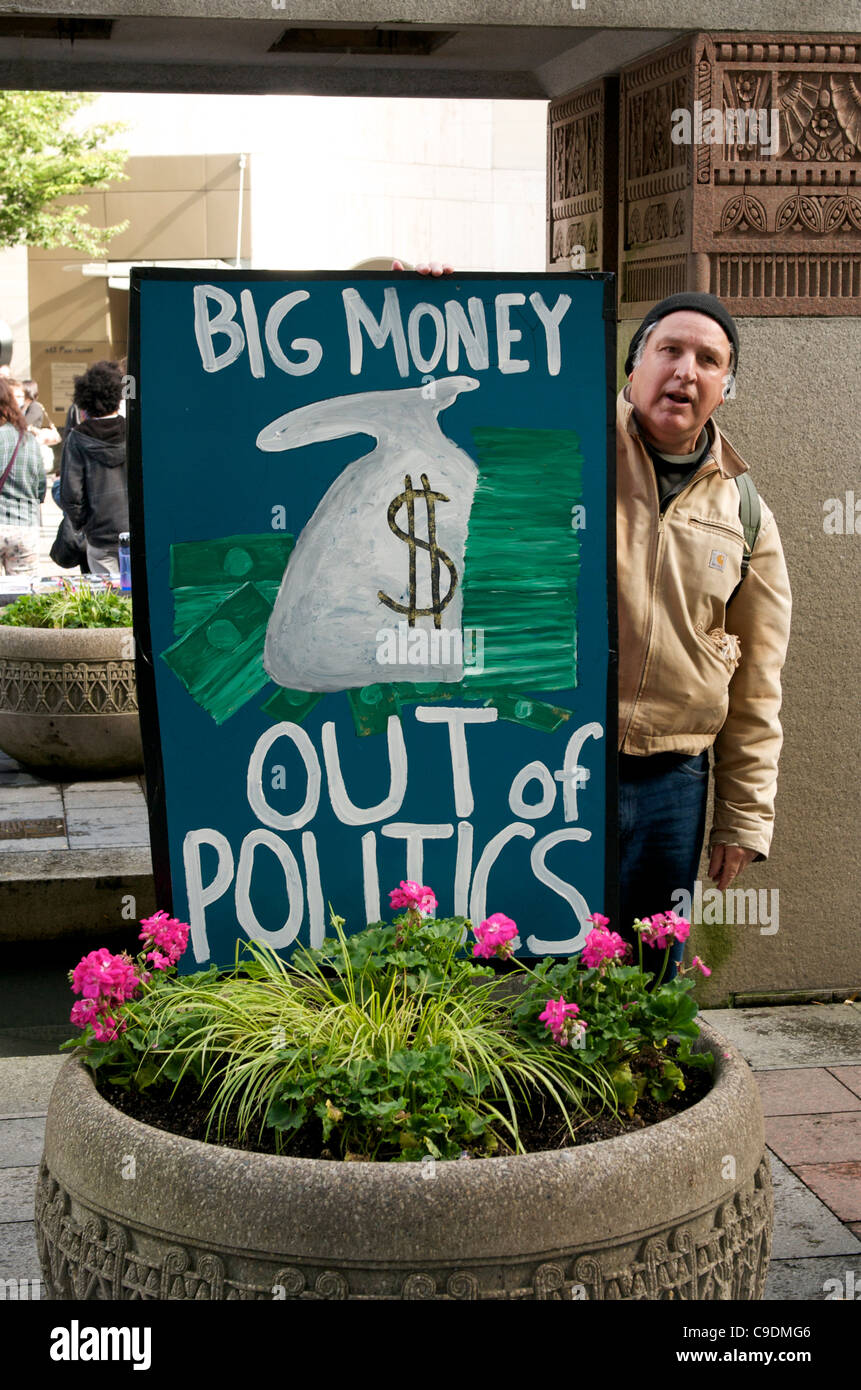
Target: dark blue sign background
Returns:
[[198, 475]]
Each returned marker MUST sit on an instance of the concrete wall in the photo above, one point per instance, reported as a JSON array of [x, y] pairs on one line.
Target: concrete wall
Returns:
[[795, 421]]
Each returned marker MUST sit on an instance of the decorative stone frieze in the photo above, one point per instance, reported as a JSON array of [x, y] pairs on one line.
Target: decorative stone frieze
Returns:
[[739, 164], [68, 698], [582, 178]]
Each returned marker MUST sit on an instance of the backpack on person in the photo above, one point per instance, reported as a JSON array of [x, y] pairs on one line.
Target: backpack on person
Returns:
[[750, 516]]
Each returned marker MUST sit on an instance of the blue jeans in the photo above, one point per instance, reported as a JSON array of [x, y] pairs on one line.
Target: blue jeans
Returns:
[[662, 820]]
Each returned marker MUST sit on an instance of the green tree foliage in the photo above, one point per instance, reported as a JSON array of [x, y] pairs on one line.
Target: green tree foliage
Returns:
[[45, 155]]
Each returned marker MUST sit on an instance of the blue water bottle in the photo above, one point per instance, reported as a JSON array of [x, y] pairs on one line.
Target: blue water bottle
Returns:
[[125, 562]]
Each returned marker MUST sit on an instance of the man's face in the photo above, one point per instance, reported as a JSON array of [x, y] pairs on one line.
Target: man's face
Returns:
[[679, 382]]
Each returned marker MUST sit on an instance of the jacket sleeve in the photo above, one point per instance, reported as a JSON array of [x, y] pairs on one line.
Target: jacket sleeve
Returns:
[[41, 479], [748, 746], [73, 492]]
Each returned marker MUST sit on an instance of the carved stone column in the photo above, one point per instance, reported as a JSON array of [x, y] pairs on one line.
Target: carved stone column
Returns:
[[582, 178], [655, 193]]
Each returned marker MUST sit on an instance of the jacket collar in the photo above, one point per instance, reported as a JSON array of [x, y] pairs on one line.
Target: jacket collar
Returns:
[[729, 462]]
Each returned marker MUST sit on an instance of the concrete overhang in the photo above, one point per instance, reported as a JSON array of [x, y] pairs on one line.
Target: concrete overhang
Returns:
[[475, 48]]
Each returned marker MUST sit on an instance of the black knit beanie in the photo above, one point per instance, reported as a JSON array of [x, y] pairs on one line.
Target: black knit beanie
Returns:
[[700, 304]]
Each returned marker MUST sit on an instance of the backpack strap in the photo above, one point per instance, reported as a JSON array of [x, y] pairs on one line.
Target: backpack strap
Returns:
[[750, 516]]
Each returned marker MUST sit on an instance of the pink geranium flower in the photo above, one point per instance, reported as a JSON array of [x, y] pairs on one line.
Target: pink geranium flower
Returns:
[[561, 1020], [495, 936], [603, 946], [697, 964], [663, 928], [415, 896], [103, 976], [84, 1011], [165, 939], [159, 961], [599, 919], [108, 981], [107, 1028]]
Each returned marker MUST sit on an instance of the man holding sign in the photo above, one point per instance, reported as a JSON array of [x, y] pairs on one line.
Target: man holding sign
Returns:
[[702, 635], [704, 613]]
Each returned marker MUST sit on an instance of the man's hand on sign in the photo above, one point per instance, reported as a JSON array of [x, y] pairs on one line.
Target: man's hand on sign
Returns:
[[727, 862], [433, 268]]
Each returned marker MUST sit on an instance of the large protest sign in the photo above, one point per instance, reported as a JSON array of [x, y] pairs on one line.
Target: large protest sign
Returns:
[[373, 579]]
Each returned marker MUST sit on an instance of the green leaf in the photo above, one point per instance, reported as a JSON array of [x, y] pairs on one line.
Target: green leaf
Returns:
[[283, 1116], [47, 154]]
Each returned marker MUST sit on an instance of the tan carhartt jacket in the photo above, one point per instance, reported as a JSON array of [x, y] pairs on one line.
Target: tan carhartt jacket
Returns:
[[692, 674]]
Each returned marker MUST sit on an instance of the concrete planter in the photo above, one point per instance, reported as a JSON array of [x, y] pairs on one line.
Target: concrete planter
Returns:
[[650, 1215], [68, 698]]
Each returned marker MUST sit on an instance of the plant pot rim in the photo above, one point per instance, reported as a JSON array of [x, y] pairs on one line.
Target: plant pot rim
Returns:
[[379, 1215], [91, 642], [730, 1071], [215, 1197]]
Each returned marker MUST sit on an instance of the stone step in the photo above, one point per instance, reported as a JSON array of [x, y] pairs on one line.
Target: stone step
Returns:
[[74, 855]]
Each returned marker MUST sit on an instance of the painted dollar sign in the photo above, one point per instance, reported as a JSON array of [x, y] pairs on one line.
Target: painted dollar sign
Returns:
[[351, 573], [407, 499]]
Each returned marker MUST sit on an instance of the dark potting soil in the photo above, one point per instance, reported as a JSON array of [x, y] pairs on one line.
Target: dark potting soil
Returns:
[[184, 1112]]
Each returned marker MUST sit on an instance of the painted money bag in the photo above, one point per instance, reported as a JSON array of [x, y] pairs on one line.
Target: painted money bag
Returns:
[[372, 592]]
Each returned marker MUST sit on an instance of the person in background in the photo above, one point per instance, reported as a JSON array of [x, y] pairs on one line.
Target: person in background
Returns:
[[42, 429], [22, 487], [93, 477]]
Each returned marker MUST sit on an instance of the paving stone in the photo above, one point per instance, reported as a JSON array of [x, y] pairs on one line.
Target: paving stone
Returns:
[[19, 1256], [28, 846], [793, 1035], [103, 817], [17, 1193], [26, 1084], [855, 1227], [107, 784], [91, 862], [790, 1280], [803, 1225], [798, 1139], [95, 792], [125, 800], [804, 1091], [95, 836], [848, 1076], [11, 799], [21, 1142], [838, 1184]]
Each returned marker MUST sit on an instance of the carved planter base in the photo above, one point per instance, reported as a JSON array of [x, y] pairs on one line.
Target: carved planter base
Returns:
[[682, 1209], [68, 698]]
